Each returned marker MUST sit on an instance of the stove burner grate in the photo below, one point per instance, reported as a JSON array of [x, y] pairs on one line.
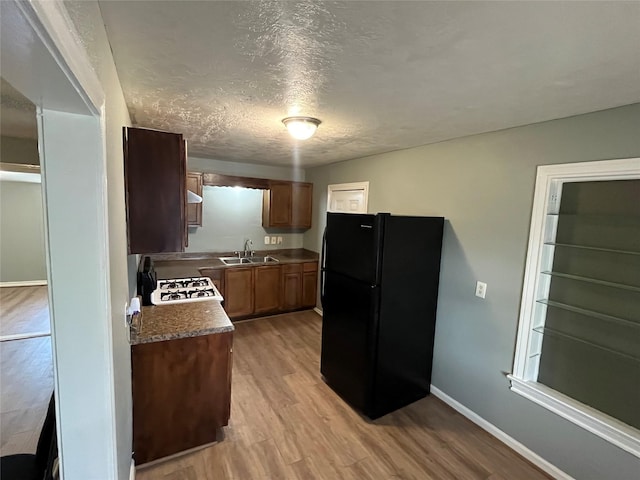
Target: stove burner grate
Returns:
[[193, 289]]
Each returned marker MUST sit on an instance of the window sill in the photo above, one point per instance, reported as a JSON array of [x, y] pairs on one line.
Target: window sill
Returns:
[[606, 427]]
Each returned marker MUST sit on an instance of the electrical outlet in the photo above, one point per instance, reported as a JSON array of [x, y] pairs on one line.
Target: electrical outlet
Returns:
[[273, 240], [279, 240], [266, 240], [481, 289]]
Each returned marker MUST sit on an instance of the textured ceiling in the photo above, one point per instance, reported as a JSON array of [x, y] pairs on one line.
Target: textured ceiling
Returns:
[[381, 76], [17, 113]]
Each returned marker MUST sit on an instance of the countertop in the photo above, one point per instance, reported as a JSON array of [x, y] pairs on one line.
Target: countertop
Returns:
[[182, 265], [191, 319], [181, 320]]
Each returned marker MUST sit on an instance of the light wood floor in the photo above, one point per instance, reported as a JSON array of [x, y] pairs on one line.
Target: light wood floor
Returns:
[[24, 310], [26, 368], [286, 423]]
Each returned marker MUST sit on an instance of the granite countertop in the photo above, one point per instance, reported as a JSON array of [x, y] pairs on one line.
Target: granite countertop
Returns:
[[181, 265], [181, 320]]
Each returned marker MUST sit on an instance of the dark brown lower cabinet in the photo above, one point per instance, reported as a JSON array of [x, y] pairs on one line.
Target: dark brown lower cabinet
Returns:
[[181, 394], [266, 289], [309, 284], [259, 290], [238, 289], [291, 286]]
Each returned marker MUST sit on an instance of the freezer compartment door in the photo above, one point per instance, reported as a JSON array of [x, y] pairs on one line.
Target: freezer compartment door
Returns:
[[352, 246], [348, 347]]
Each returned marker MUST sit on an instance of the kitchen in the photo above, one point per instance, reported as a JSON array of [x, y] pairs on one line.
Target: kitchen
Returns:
[[486, 196]]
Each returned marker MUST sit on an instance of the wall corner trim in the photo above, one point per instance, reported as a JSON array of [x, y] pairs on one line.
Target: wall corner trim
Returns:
[[26, 283], [511, 442]]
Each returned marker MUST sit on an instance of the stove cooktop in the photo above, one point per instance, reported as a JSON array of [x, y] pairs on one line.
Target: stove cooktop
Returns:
[[182, 283], [182, 290]]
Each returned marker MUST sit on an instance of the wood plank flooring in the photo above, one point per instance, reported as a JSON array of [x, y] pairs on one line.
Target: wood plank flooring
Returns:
[[26, 369], [286, 423], [24, 310]]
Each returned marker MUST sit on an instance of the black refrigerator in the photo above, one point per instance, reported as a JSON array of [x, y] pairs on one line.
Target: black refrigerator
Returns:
[[379, 291]]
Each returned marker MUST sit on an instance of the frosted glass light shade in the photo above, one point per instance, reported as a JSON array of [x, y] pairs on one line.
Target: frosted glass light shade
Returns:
[[301, 128]]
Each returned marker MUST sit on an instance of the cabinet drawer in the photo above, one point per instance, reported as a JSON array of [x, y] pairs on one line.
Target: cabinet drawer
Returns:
[[310, 267], [292, 268]]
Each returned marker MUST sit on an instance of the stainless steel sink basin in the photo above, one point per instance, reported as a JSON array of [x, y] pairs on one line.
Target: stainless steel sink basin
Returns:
[[247, 260], [266, 259], [233, 260]]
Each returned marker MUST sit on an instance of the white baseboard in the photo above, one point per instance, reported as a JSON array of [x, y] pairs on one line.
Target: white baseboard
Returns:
[[318, 311], [26, 283], [132, 471], [511, 442]]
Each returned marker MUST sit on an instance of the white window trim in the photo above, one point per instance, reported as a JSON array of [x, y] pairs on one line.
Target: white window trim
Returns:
[[364, 186], [548, 178]]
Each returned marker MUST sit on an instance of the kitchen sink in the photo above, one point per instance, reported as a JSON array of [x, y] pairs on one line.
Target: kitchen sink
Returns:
[[266, 259], [233, 260], [247, 260]]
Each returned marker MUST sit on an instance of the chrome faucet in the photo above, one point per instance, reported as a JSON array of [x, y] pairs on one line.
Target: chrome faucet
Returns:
[[248, 245]]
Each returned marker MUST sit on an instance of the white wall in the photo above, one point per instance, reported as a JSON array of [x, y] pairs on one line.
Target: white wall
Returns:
[[22, 256], [483, 186], [88, 21], [232, 215]]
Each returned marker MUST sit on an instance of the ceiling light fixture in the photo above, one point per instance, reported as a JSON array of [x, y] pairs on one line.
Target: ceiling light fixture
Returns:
[[301, 128]]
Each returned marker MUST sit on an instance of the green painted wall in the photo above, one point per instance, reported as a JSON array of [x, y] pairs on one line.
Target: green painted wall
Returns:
[[21, 232]]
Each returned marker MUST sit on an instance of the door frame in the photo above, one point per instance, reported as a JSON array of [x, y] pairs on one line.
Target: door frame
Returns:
[[56, 75], [346, 187]]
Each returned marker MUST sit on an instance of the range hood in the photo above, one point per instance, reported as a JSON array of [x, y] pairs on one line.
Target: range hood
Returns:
[[193, 197]]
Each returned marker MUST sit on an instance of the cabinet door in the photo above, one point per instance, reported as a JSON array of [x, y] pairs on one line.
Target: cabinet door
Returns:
[[291, 286], [267, 288], [309, 287], [238, 287], [301, 199], [277, 205], [155, 169], [194, 210], [181, 393]]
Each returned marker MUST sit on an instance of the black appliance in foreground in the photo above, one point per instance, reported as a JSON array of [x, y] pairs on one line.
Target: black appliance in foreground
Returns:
[[147, 281], [379, 290]]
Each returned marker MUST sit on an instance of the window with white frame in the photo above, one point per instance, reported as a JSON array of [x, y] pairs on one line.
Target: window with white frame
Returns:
[[578, 345]]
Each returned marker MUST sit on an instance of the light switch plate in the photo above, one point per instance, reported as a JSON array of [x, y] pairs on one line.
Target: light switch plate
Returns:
[[273, 240], [481, 289], [279, 240], [266, 240]]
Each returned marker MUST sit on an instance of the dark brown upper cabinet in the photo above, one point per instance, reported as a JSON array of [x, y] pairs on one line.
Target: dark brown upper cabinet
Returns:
[[287, 205], [155, 189], [194, 210]]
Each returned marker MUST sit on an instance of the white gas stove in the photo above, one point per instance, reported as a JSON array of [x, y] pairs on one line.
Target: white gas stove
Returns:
[[182, 290]]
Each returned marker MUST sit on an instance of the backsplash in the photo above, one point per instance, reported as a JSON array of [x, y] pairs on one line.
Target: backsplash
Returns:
[[230, 216]]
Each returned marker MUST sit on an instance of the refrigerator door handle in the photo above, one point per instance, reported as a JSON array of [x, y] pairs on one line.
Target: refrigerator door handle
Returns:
[[322, 265]]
